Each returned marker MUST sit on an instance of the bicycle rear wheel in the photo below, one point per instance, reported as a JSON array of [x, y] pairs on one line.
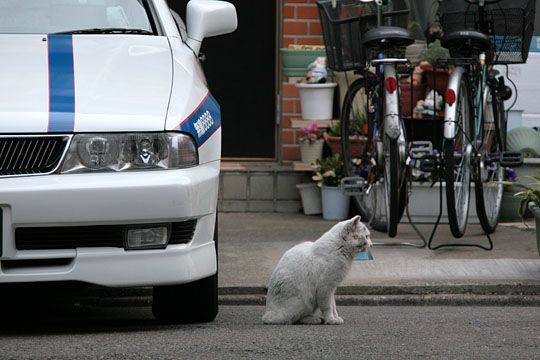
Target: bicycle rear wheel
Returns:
[[457, 157], [371, 202], [488, 171]]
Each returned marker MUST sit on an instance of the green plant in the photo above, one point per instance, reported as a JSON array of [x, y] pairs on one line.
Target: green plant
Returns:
[[358, 120], [329, 171], [434, 52], [529, 194]]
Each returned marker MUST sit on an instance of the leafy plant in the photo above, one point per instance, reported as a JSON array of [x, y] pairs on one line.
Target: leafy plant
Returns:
[[434, 52], [329, 171], [529, 194], [355, 126]]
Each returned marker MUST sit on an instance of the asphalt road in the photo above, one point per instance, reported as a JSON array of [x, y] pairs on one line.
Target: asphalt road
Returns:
[[368, 333]]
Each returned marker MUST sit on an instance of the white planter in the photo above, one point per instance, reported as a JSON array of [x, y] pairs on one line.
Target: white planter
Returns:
[[311, 198], [515, 119], [317, 100], [424, 205], [310, 152], [335, 205]]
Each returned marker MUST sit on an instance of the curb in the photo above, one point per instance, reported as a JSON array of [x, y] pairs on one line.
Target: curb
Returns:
[[348, 300], [517, 294]]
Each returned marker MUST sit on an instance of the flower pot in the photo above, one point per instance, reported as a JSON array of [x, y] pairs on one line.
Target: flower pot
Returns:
[[437, 79], [509, 207], [335, 205], [536, 212], [317, 100], [408, 101], [357, 144], [295, 62], [310, 152], [310, 194], [424, 204]]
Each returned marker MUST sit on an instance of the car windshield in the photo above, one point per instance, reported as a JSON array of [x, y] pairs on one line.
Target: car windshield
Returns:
[[56, 16]]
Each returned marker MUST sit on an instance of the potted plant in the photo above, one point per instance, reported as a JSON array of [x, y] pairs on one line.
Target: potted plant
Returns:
[[310, 194], [328, 173], [311, 143], [435, 78], [357, 141], [316, 92], [510, 204], [412, 90], [296, 58], [529, 197]]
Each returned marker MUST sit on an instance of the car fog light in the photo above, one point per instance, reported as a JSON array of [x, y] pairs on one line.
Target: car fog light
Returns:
[[154, 237]]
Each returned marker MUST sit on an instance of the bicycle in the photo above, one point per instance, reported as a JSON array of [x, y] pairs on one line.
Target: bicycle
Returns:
[[349, 27], [479, 34]]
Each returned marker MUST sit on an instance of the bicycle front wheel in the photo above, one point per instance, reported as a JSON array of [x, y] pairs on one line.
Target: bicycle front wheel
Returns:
[[488, 171], [457, 158]]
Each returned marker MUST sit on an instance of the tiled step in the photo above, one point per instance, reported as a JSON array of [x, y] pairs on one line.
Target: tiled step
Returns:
[[261, 187]]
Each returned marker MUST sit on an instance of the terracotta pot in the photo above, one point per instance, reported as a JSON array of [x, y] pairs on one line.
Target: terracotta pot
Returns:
[[437, 79], [357, 144], [408, 101]]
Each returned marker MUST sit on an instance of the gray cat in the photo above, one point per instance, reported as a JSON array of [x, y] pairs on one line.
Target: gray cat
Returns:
[[303, 284]]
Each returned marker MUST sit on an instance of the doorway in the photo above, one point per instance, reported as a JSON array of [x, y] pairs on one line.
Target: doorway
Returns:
[[241, 73]]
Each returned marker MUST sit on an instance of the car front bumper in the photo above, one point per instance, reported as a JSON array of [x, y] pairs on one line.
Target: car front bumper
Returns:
[[144, 197]]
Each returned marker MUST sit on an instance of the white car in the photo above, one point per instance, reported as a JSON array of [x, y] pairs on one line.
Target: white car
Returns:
[[110, 146]]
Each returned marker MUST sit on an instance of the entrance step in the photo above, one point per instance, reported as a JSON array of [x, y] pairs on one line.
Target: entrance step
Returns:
[[261, 186]]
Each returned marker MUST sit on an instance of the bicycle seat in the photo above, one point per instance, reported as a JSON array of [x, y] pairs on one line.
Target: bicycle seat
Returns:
[[388, 36], [469, 38]]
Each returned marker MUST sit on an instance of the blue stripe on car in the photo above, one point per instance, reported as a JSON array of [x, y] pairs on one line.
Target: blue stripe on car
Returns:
[[204, 121], [61, 84]]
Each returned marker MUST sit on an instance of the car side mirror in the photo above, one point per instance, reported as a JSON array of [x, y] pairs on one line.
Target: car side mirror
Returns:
[[206, 18]]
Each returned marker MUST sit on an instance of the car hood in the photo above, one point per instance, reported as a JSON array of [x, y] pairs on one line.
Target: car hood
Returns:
[[84, 83]]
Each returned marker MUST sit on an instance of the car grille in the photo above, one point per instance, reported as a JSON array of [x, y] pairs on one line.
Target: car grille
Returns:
[[71, 237], [31, 155]]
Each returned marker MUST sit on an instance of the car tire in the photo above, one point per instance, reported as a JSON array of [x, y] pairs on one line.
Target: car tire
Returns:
[[195, 302]]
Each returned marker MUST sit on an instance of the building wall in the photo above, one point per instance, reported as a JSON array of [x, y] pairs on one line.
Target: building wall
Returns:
[[301, 26]]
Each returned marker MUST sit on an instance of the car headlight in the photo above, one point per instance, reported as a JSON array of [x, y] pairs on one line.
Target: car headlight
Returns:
[[132, 151]]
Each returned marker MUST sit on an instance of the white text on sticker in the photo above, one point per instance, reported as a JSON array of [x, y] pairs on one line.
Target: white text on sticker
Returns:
[[204, 123]]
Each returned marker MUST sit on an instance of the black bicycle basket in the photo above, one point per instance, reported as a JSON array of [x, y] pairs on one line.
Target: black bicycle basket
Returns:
[[344, 24], [510, 25]]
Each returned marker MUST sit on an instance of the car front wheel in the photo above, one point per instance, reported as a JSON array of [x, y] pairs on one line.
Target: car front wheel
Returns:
[[194, 302]]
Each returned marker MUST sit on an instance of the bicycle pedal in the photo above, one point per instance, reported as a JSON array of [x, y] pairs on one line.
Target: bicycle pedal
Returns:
[[421, 149], [511, 159], [353, 186]]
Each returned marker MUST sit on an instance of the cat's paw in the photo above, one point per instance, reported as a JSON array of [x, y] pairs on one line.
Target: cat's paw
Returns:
[[335, 320], [311, 320]]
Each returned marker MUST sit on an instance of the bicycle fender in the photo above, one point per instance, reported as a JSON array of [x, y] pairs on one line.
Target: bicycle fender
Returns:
[[450, 110], [392, 124]]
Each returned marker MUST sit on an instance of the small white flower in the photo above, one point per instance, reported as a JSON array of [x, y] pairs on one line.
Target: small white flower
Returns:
[[317, 178], [329, 173]]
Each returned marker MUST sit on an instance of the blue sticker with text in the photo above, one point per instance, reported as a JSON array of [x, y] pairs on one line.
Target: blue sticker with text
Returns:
[[204, 121]]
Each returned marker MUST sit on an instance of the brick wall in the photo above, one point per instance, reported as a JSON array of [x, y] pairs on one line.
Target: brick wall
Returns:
[[300, 26]]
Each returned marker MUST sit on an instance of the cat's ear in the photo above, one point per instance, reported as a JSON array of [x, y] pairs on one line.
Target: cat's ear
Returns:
[[354, 222]]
